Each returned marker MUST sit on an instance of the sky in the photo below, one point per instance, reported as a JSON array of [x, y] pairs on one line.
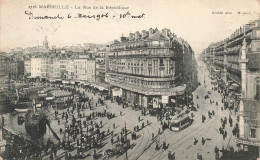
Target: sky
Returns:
[[193, 20]]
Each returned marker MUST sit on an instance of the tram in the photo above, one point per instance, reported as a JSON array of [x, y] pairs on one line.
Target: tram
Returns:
[[181, 123]]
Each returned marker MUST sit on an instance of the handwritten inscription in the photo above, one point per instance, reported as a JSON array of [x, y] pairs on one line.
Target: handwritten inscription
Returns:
[[89, 15], [31, 16]]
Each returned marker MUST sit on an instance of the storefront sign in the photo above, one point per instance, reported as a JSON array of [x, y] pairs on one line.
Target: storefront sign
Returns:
[[49, 98], [248, 142], [38, 105], [165, 99]]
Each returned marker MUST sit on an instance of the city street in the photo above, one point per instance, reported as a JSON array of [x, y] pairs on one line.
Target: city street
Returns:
[[182, 143]]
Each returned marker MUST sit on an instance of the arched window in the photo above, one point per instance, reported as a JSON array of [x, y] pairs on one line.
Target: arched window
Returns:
[[257, 88]]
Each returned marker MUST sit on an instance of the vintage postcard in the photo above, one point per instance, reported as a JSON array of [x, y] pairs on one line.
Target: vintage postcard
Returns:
[[137, 80]]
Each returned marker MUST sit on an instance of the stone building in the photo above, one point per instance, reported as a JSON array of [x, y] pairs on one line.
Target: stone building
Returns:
[[151, 68], [238, 60]]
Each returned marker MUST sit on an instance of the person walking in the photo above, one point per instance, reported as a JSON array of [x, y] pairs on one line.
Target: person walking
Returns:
[[216, 153]]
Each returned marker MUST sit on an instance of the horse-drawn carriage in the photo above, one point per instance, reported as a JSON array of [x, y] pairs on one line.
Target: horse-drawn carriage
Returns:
[[117, 149]]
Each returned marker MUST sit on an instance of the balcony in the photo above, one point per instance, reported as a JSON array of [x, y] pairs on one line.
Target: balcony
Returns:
[[234, 50], [147, 90], [138, 46], [144, 54], [143, 77]]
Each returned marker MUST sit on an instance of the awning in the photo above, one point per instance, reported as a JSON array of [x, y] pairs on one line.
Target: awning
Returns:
[[38, 105], [101, 88], [50, 98], [52, 80], [65, 82], [235, 85], [231, 87], [117, 92]]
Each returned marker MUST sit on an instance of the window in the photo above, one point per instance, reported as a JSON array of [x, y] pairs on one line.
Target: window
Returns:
[[161, 62], [155, 67], [253, 133], [257, 88]]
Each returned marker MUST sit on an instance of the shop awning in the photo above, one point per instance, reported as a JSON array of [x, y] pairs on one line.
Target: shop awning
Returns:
[[52, 80], [65, 82], [72, 82], [235, 85]]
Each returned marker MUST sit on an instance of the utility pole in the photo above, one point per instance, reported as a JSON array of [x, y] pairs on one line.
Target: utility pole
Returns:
[[126, 142]]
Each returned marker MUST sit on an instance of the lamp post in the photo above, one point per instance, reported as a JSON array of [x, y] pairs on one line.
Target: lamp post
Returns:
[[126, 142]]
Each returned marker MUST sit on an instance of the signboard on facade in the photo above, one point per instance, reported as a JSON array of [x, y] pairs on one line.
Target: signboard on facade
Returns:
[[38, 105], [250, 143], [49, 98], [165, 99]]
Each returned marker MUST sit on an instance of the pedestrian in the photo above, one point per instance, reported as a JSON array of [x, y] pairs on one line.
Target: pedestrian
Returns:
[[203, 140], [51, 156], [216, 152]]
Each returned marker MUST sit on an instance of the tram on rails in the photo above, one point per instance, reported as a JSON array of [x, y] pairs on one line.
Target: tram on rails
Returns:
[[181, 123]]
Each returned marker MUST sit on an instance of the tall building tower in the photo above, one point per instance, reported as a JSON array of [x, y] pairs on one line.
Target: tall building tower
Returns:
[[45, 43]]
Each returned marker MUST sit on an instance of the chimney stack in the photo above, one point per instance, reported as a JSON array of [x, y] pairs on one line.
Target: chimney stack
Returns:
[[144, 33], [150, 32], [137, 35], [131, 36], [165, 32]]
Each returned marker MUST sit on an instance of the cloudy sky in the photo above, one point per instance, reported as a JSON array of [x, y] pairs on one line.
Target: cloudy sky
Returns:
[[193, 20]]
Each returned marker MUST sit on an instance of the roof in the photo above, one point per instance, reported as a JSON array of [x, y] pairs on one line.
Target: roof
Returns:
[[157, 36]]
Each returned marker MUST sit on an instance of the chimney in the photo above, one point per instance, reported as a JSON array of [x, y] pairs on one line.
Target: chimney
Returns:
[[122, 38], [150, 32], [131, 36], [165, 32], [143, 34], [137, 35]]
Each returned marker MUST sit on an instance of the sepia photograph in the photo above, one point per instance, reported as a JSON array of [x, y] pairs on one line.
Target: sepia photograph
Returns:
[[130, 80]]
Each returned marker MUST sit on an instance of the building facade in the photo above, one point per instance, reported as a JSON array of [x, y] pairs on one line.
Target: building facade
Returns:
[[100, 66], [27, 67], [36, 67], [4, 66], [17, 69], [238, 59], [149, 69], [84, 69]]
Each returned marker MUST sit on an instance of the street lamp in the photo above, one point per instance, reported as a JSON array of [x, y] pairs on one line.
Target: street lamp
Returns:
[[126, 142]]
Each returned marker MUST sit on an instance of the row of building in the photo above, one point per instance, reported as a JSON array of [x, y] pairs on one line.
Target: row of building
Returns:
[[147, 69], [54, 67], [236, 61]]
